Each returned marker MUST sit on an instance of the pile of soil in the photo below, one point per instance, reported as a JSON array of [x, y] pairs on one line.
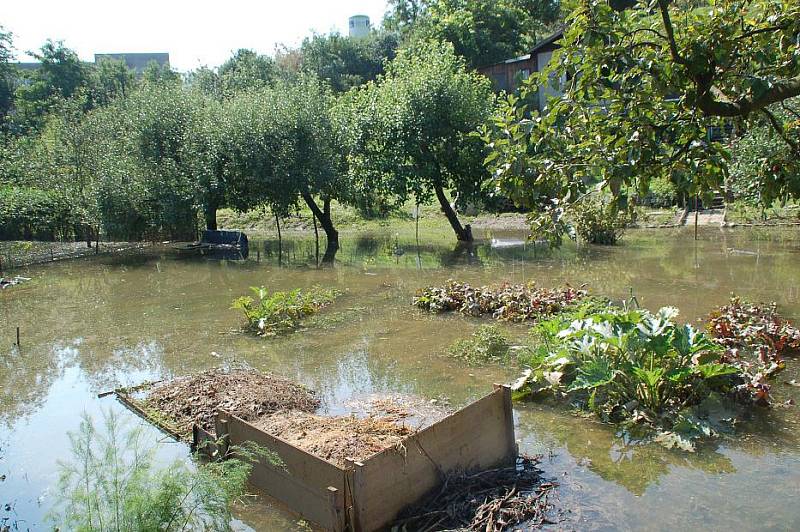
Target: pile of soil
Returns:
[[246, 393], [334, 438], [410, 410]]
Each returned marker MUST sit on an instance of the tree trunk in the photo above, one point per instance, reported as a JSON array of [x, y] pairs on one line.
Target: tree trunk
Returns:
[[280, 239], [324, 217], [463, 234], [210, 214]]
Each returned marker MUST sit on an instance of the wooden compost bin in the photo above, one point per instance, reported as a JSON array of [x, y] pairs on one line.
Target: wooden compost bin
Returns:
[[368, 496]]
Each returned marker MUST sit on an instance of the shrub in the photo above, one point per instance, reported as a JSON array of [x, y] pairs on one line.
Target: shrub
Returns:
[[598, 223], [32, 213], [662, 193], [111, 483], [486, 344], [275, 312]]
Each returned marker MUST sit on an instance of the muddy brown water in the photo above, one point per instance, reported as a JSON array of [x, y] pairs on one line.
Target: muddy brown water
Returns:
[[93, 324]]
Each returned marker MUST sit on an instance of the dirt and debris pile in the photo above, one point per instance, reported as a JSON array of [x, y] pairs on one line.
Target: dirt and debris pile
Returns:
[[246, 393], [492, 500], [334, 438], [404, 409]]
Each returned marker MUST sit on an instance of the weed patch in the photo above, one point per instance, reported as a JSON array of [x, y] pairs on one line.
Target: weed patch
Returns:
[[486, 345], [631, 367]]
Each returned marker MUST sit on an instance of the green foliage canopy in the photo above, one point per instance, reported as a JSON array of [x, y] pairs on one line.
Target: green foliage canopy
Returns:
[[481, 31], [643, 89], [409, 132], [347, 62]]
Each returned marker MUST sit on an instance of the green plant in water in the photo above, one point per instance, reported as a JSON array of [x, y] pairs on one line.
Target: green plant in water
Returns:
[[629, 365], [111, 482], [276, 312], [486, 344]]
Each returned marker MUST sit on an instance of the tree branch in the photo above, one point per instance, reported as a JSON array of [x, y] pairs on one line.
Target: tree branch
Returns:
[[781, 90], [673, 46], [778, 127]]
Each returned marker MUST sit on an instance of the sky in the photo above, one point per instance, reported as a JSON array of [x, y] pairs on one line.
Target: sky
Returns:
[[195, 33]]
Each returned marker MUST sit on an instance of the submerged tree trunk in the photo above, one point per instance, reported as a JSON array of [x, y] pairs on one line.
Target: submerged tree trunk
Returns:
[[316, 240], [280, 239], [324, 217], [463, 233]]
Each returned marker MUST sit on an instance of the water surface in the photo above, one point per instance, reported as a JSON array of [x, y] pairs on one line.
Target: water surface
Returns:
[[94, 324]]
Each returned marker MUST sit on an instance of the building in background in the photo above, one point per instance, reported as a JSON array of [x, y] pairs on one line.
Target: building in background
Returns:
[[509, 74], [136, 61], [359, 26]]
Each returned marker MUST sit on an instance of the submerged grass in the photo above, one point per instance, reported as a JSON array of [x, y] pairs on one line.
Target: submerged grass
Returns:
[[486, 345], [275, 312]]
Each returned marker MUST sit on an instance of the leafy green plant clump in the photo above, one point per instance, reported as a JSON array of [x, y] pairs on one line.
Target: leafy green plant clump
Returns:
[[513, 302], [111, 482], [633, 367], [272, 313], [486, 344], [756, 339]]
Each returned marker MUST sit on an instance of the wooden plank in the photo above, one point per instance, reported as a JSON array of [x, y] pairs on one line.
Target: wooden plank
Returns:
[[302, 481], [479, 436]]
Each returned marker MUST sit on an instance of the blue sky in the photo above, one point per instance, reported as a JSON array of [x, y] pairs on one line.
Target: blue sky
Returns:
[[199, 32]]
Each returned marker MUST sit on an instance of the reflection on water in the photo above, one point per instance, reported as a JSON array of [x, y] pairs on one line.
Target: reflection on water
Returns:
[[91, 325]]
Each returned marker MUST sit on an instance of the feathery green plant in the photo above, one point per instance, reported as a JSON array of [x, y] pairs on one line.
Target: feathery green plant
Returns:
[[112, 482]]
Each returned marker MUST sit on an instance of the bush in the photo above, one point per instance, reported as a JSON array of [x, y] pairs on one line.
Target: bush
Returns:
[[111, 483], [282, 311], [662, 193], [32, 213], [486, 344], [598, 223]]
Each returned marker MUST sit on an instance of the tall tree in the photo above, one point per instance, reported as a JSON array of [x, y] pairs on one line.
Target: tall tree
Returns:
[[246, 69], [7, 75], [158, 74], [280, 150], [347, 62], [412, 129], [645, 86], [111, 78], [482, 31], [60, 76]]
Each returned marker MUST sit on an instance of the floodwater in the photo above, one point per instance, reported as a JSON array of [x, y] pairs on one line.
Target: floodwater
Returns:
[[90, 325]]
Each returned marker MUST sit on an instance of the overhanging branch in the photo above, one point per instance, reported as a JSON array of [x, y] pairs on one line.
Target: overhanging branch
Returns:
[[780, 91]]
